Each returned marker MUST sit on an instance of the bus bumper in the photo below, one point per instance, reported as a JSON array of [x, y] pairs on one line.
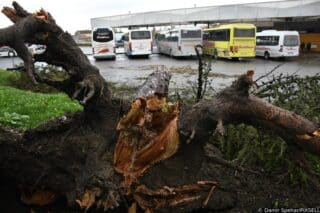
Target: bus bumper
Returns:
[[184, 54], [104, 56], [136, 53], [285, 54]]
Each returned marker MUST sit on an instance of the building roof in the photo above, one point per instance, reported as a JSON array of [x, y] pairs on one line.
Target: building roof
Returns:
[[249, 11]]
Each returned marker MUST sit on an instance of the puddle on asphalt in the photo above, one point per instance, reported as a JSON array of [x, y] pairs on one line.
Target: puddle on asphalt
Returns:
[[183, 77]]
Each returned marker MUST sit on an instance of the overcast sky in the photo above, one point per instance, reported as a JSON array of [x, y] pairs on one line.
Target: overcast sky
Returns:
[[74, 15]]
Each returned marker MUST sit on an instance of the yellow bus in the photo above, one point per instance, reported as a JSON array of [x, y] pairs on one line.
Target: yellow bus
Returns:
[[230, 41]]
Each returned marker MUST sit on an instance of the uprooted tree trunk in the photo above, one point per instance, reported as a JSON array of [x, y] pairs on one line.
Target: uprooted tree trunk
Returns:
[[151, 156]]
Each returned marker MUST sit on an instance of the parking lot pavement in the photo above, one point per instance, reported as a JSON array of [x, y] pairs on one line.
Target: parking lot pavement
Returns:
[[132, 72]]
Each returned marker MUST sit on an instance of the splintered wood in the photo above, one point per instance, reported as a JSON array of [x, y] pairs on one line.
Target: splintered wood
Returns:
[[41, 14], [150, 199], [100, 199], [37, 197], [88, 198], [148, 134], [309, 136]]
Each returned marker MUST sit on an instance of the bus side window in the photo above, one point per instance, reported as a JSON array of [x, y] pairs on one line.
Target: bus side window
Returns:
[[275, 40], [220, 35], [223, 35], [212, 35], [259, 41], [268, 40], [160, 37], [205, 36], [166, 36], [173, 36]]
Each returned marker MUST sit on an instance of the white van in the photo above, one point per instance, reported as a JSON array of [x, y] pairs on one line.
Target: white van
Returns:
[[103, 43], [6, 51], [179, 42], [36, 49], [138, 42], [275, 44]]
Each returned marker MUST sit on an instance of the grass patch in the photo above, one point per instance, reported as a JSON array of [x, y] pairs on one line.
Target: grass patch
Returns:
[[27, 109], [7, 78], [20, 80]]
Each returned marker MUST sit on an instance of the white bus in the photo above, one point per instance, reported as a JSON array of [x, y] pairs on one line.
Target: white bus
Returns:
[[179, 42], [276, 44], [138, 42], [103, 43]]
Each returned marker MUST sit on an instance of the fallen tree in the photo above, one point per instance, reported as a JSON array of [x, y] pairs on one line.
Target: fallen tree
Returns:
[[150, 155]]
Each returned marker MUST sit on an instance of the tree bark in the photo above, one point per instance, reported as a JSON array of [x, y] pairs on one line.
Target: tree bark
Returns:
[[154, 154]]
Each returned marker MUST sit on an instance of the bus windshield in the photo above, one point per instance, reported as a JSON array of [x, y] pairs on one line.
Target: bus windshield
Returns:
[[136, 35], [240, 33], [102, 35], [190, 33], [291, 40]]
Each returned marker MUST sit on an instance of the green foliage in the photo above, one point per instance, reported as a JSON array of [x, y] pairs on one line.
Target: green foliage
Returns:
[[294, 93], [253, 147], [200, 88], [249, 146], [282, 203], [27, 109]]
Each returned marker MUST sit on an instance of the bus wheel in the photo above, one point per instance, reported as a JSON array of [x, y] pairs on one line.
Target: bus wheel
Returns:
[[266, 56]]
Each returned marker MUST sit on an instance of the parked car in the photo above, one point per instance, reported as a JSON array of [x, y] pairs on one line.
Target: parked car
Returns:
[[6, 51], [36, 49]]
